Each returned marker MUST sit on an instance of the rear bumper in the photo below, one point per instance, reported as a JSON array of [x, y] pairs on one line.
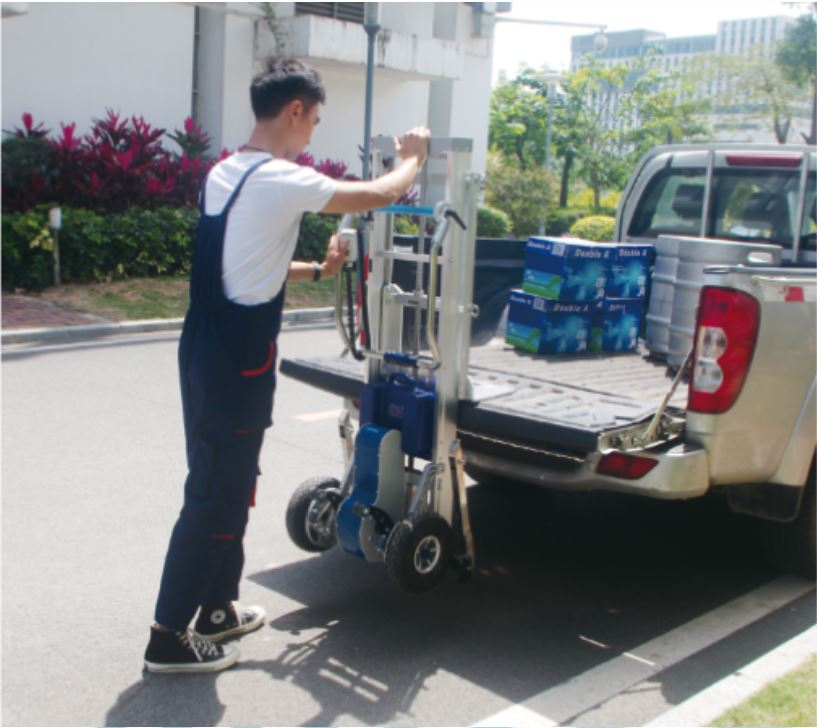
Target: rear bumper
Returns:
[[682, 472]]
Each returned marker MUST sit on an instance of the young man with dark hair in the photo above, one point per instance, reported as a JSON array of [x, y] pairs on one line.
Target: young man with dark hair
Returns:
[[251, 206]]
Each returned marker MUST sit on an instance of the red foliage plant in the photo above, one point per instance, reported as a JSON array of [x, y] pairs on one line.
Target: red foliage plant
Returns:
[[119, 164]]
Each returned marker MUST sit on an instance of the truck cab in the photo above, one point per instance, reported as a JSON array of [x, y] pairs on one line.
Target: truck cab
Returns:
[[751, 193]]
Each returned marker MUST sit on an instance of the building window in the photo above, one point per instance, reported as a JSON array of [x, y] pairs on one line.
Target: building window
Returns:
[[352, 12]]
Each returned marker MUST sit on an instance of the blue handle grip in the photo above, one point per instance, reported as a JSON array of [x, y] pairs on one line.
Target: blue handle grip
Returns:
[[408, 210]]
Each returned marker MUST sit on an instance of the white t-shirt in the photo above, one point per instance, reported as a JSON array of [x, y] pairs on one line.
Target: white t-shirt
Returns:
[[262, 227]]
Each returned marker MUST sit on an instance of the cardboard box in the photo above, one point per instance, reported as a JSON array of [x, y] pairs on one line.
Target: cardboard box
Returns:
[[630, 272], [567, 269], [542, 326], [622, 320]]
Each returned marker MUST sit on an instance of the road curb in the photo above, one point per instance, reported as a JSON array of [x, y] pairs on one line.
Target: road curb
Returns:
[[64, 334], [709, 704]]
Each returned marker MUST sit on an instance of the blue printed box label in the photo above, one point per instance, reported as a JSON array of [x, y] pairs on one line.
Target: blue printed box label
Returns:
[[630, 273], [567, 270], [553, 327], [622, 324]]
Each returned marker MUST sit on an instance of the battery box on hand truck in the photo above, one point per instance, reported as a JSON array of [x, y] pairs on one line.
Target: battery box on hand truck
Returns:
[[404, 403]]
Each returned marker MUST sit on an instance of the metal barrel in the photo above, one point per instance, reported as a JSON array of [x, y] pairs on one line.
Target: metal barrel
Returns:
[[659, 313]]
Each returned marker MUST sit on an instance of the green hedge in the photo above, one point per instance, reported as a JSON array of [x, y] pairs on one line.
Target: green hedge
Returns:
[[139, 243], [492, 223], [135, 243], [561, 219], [596, 227], [314, 235], [96, 247]]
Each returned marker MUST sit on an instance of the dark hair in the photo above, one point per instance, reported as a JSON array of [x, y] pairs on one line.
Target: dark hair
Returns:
[[283, 80]]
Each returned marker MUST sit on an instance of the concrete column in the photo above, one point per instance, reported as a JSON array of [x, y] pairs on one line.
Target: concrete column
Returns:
[[441, 93], [225, 70]]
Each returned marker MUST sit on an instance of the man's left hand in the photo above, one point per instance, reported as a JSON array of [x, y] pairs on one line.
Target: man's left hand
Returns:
[[335, 257]]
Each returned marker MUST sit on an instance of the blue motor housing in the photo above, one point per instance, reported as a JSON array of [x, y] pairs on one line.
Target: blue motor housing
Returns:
[[402, 403], [378, 497]]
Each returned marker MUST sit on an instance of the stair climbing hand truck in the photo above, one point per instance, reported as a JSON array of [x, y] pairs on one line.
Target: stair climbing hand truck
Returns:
[[402, 498]]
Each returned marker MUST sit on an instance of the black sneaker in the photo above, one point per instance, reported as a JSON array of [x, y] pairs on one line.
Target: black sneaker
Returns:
[[219, 622], [186, 652]]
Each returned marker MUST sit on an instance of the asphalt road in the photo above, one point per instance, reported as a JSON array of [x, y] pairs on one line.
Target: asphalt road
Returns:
[[584, 610]]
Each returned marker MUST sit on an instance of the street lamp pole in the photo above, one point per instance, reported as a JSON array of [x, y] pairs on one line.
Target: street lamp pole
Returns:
[[371, 24]]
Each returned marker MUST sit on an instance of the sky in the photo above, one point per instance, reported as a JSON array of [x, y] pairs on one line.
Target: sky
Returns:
[[541, 45]]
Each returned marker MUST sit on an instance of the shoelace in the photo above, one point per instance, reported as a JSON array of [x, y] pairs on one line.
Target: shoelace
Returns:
[[201, 648]]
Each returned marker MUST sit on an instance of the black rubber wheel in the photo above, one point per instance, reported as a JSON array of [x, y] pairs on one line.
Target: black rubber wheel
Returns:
[[792, 546], [312, 512], [418, 551]]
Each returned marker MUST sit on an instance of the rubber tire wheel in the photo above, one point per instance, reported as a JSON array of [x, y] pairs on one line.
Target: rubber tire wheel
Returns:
[[298, 508], [407, 536], [791, 546]]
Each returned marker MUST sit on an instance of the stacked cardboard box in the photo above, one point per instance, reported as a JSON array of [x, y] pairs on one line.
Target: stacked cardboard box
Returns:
[[579, 296]]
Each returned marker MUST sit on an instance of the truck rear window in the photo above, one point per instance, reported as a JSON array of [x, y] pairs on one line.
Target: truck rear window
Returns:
[[672, 204], [755, 204], [752, 204]]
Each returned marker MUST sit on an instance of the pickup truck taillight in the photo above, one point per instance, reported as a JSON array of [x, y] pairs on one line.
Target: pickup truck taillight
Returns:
[[725, 338], [625, 465]]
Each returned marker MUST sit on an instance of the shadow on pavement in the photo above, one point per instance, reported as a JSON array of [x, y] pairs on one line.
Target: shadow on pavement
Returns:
[[564, 583], [168, 700]]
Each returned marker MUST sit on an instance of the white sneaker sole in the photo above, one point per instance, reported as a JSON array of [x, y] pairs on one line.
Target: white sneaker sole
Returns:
[[210, 666]]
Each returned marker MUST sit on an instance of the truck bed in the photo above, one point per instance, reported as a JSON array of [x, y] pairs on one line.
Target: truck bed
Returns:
[[531, 407]]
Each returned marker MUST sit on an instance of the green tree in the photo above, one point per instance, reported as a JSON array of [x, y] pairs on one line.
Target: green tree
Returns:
[[795, 57], [663, 108], [565, 135], [517, 122], [754, 86], [525, 195], [594, 93]]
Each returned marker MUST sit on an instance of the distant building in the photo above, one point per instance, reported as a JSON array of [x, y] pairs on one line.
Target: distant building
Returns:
[[733, 37], [68, 62]]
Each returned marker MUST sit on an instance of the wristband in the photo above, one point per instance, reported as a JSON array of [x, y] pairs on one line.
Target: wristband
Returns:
[[316, 271]]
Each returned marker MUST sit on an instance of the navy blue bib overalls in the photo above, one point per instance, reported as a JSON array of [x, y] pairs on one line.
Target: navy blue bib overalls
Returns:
[[227, 357]]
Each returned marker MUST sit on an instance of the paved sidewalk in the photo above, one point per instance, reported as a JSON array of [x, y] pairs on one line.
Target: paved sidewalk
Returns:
[[27, 312], [27, 319]]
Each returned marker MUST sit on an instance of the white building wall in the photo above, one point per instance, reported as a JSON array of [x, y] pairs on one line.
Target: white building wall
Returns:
[[398, 106], [471, 94], [413, 18], [67, 62]]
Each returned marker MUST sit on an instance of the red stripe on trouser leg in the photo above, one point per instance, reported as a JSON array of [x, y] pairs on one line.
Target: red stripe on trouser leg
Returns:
[[224, 537], [252, 494]]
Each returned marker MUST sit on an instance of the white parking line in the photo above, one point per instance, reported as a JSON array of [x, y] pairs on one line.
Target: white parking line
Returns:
[[319, 416], [559, 704], [517, 716]]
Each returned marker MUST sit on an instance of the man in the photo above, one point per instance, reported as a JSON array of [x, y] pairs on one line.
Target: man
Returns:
[[252, 203]]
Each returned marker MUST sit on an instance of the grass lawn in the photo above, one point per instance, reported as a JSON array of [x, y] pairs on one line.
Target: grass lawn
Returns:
[[789, 701], [152, 298]]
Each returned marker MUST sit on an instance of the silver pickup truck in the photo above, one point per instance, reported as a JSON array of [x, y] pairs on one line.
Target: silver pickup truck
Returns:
[[738, 415]]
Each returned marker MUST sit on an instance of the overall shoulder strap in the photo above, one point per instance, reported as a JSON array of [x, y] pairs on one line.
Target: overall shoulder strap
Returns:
[[240, 184]]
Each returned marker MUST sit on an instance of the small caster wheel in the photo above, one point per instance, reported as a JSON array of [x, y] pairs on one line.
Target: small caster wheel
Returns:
[[311, 514], [418, 551]]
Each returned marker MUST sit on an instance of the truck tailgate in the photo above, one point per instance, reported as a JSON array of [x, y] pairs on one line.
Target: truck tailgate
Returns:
[[560, 404]]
